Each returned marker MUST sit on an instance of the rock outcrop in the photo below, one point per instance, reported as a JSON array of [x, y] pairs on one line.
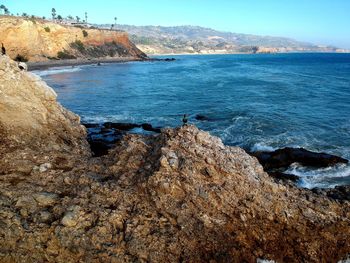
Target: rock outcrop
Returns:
[[41, 40], [177, 196], [31, 119]]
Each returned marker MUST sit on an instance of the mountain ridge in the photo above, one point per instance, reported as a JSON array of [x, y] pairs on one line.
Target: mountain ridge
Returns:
[[203, 40]]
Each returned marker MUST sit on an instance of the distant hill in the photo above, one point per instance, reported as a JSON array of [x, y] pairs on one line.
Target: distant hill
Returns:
[[195, 39]]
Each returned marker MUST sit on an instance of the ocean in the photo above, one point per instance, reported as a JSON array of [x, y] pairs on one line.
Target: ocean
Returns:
[[258, 102]]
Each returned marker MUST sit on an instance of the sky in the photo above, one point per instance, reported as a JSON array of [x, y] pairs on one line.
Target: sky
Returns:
[[325, 22]]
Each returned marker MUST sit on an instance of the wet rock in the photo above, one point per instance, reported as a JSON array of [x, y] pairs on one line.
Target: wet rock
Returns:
[[91, 125], [284, 176], [200, 117], [282, 158], [149, 127], [121, 126], [341, 193]]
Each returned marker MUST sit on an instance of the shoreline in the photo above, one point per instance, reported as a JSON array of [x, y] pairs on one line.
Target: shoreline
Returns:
[[78, 62]]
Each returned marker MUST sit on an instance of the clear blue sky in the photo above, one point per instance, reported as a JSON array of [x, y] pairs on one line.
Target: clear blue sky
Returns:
[[317, 21]]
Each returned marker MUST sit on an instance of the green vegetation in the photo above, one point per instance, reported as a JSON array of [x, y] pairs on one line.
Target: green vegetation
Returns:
[[47, 29], [6, 10], [21, 58], [85, 33], [78, 45], [65, 55], [53, 13]]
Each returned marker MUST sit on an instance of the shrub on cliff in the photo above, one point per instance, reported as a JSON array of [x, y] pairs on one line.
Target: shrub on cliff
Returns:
[[85, 33], [78, 45], [65, 55], [21, 58], [47, 29]]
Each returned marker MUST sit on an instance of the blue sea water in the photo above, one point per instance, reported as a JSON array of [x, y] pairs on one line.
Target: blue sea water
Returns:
[[253, 101]]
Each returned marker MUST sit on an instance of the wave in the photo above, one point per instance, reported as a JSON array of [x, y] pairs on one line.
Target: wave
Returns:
[[54, 71], [328, 177]]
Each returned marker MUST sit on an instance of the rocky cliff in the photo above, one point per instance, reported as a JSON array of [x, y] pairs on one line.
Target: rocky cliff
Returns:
[[40, 40], [179, 196]]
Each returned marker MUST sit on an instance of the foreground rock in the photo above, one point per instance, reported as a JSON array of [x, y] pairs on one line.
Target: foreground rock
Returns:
[[32, 120], [180, 195]]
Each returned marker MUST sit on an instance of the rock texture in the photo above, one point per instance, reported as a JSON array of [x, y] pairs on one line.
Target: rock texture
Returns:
[[39, 40], [31, 119], [178, 196]]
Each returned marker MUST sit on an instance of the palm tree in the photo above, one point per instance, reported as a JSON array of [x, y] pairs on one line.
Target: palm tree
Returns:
[[86, 17], [78, 18], [115, 21], [53, 12]]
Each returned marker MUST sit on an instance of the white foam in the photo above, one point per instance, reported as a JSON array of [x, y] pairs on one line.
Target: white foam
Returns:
[[54, 71], [262, 147], [322, 177]]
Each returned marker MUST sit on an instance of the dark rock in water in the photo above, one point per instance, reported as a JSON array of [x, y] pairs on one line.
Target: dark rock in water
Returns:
[[91, 125], [200, 117], [341, 193], [149, 127], [284, 176], [121, 126], [103, 137], [282, 158], [169, 59]]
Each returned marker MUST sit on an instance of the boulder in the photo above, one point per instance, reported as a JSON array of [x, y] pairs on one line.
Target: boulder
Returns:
[[282, 158]]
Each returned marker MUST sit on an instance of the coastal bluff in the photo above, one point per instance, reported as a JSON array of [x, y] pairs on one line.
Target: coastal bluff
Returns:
[[41, 40], [177, 196]]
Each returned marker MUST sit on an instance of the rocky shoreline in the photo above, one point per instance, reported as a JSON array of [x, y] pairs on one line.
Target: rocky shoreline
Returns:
[[180, 195]]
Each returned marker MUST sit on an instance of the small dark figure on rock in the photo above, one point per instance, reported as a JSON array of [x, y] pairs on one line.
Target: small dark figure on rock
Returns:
[[3, 50], [184, 120]]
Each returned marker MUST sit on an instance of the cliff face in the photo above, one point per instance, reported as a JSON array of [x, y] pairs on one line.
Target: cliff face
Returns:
[[178, 196], [39, 40], [31, 118]]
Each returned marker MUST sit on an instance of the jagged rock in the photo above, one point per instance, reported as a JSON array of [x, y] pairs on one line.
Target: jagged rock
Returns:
[[180, 195], [30, 117]]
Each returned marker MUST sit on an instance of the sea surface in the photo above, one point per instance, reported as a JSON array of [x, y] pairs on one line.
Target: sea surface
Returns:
[[258, 102]]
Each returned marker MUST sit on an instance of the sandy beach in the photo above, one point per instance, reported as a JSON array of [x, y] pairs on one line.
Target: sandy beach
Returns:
[[76, 62]]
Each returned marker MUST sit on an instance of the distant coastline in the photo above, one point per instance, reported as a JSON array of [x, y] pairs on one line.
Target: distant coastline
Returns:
[[77, 62]]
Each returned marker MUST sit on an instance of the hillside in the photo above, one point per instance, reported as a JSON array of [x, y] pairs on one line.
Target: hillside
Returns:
[[41, 40], [194, 39]]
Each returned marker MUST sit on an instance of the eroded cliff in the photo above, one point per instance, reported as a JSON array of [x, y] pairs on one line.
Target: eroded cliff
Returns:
[[41, 40], [180, 196]]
